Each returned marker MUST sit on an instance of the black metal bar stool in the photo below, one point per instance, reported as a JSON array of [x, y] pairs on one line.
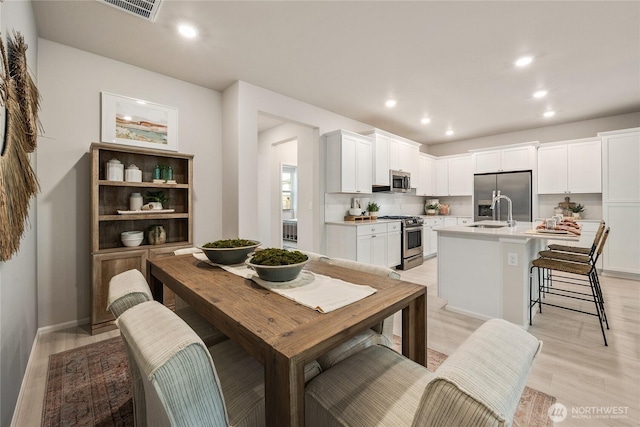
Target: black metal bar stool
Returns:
[[582, 272]]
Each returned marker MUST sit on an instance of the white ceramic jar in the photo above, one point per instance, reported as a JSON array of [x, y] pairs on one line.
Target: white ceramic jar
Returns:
[[115, 170], [133, 174], [135, 202]]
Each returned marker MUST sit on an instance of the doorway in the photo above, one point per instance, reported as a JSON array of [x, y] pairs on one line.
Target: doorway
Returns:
[[289, 200]]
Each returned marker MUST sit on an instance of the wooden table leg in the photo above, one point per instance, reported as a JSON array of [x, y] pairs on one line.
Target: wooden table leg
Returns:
[[414, 330], [284, 391], [155, 285]]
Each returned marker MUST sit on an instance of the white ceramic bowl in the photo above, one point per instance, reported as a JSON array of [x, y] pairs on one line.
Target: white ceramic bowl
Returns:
[[355, 211], [132, 238]]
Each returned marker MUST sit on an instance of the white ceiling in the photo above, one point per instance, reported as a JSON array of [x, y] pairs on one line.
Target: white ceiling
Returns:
[[449, 60]]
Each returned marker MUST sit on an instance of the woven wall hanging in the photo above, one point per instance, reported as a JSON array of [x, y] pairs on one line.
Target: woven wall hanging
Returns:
[[19, 126]]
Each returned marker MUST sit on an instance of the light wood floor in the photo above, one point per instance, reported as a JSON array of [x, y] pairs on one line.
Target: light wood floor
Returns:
[[574, 365]]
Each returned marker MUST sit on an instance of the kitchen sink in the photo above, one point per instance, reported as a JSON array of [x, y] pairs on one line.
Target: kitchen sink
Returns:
[[487, 226]]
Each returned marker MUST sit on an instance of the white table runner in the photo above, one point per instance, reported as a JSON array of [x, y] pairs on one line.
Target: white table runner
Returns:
[[316, 291]]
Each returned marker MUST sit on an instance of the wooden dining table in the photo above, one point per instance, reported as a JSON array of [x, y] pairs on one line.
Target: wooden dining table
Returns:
[[283, 335]]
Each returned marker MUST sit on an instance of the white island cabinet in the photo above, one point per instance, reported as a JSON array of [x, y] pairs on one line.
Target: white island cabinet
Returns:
[[484, 272]]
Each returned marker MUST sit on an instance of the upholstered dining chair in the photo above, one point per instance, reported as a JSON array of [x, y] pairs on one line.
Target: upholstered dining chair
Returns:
[[127, 290], [480, 384], [382, 333], [130, 288], [186, 383]]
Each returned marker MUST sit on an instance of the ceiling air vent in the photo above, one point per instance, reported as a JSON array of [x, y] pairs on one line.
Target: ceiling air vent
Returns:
[[145, 9]]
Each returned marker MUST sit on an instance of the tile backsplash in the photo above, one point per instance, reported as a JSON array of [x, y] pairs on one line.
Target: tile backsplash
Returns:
[[336, 205]]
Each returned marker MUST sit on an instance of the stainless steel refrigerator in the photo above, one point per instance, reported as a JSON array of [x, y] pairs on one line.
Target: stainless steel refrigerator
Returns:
[[515, 185]]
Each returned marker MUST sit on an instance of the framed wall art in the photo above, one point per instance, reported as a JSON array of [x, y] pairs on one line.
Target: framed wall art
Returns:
[[132, 121]]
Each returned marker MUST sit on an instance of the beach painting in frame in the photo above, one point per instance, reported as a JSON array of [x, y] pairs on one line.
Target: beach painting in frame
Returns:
[[132, 121]]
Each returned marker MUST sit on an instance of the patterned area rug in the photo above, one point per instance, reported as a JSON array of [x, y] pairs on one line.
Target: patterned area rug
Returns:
[[89, 386], [533, 406]]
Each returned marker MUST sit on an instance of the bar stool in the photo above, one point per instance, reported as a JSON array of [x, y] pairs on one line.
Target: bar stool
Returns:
[[581, 274], [578, 254]]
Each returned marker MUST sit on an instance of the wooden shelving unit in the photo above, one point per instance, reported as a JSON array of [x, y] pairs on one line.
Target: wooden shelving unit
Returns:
[[109, 255]]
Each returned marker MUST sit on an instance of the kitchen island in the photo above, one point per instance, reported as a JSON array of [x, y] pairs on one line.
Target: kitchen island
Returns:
[[483, 268]]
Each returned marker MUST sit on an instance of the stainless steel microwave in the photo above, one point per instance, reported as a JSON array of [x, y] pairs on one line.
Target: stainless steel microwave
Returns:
[[399, 181]]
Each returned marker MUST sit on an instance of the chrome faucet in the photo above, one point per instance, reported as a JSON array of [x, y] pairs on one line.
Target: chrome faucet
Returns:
[[510, 220]]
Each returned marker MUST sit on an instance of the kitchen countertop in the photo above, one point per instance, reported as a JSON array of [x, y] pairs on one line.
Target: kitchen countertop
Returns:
[[519, 231], [362, 222]]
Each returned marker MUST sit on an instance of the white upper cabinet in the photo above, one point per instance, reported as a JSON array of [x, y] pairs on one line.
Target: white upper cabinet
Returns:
[[391, 152], [426, 179], [505, 160], [442, 177], [621, 160], [381, 159], [409, 157], [454, 176], [570, 167], [349, 162]]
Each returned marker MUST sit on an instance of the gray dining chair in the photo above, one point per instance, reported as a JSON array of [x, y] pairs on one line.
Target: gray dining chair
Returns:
[[480, 384], [186, 383]]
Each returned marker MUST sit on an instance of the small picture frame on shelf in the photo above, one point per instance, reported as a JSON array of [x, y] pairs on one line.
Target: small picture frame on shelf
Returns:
[[132, 121]]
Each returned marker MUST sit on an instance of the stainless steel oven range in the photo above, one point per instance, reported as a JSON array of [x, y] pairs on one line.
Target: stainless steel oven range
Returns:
[[411, 240]]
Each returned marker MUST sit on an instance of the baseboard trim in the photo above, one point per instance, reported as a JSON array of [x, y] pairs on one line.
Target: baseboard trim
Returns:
[[61, 326], [26, 375], [621, 274]]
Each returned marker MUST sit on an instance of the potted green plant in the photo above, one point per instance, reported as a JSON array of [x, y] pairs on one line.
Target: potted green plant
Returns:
[[156, 199], [577, 210], [373, 209], [433, 209]]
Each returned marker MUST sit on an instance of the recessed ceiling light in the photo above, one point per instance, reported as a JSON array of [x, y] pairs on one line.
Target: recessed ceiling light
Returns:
[[449, 132], [141, 102], [425, 120], [524, 61], [390, 103], [540, 94], [188, 31], [549, 113]]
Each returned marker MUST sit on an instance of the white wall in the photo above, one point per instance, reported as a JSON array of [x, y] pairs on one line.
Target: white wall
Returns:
[[242, 102], [574, 130], [18, 285], [70, 83]]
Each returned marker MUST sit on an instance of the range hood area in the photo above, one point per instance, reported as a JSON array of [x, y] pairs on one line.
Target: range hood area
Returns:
[[386, 189]]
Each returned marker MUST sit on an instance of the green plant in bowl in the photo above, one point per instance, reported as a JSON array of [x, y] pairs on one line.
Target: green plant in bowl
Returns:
[[229, 251], [277, 265]]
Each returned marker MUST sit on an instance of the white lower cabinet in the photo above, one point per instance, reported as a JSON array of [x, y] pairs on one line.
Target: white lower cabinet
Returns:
[[394, 244], [372, 249], [450, 221], [430, 237], [464, 220], [371, 243]]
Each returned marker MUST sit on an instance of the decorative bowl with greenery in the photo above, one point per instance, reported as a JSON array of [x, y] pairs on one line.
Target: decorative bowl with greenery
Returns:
[[157, 197], [229, 251], [277, 265]]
